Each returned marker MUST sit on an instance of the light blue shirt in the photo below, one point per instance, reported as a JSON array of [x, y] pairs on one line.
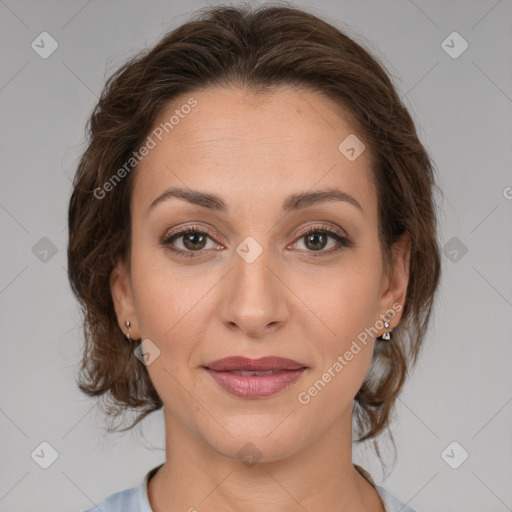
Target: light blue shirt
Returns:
[[136, 499]]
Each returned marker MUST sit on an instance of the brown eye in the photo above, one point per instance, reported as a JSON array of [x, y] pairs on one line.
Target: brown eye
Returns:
[[192, 240], [316, 241]]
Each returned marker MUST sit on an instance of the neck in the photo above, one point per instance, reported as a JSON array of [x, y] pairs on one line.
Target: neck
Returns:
[[319, 477]]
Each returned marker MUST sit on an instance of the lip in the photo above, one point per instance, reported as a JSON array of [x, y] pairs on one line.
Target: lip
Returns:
[[262, 364], [286, 373]]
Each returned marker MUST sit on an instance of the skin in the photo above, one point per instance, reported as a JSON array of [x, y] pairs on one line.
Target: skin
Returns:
[[254, 152]]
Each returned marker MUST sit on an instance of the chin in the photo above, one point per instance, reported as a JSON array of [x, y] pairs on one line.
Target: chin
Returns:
[[257, 440]]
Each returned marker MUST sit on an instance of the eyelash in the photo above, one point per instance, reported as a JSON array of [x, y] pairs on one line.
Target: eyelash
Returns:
[[343, 241]]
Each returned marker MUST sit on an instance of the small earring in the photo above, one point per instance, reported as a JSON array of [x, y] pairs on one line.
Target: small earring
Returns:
[[128, 325], [387, 335]]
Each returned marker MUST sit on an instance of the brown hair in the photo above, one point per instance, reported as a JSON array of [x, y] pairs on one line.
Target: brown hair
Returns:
[[256, 49]]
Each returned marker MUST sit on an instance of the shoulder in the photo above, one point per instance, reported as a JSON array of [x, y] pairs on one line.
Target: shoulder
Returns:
[[392, 503], [134, 499], [122, 501]]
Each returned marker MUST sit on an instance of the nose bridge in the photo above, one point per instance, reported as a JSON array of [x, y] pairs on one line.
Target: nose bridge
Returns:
[[255, 296]]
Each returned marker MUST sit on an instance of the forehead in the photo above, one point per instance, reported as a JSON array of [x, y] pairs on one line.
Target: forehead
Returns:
[[253, 149]]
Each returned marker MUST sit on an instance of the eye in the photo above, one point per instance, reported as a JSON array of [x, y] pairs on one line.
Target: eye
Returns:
[[193, 240], [315, 239]]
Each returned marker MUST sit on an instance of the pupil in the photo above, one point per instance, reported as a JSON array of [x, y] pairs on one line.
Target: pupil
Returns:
[[314, 236], [194, 244]]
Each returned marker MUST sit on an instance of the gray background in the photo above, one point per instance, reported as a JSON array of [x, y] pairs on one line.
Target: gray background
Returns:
[[461, 390]]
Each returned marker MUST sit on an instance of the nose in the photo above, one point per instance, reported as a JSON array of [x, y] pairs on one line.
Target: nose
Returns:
[[255, 298]]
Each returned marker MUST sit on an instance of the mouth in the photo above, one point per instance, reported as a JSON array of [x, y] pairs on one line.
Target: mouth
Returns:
[[255, 378]]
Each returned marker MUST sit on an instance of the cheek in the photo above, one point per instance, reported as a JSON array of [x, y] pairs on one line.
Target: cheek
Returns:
[[173, 304], [345, 298], [347, 306], [329, 393], [169, 311]]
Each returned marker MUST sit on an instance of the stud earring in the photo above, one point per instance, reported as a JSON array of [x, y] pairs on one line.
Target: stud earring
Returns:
[[387, 335], [128, 325]]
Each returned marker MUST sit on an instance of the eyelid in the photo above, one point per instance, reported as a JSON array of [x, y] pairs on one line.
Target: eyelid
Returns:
[[324, 227], [191, 227]]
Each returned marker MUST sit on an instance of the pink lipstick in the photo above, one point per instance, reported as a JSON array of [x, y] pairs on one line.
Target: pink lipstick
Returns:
[[254, 378]]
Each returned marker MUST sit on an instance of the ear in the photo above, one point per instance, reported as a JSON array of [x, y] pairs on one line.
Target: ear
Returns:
[[122, 296], [394, 286]]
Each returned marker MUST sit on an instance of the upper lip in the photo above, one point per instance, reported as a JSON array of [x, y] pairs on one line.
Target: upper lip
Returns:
[[262, 364]]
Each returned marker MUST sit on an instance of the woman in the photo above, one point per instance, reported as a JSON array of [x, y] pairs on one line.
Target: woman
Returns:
[[252, 238]]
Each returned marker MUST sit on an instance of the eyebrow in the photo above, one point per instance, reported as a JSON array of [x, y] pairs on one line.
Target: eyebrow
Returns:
[[293, 202]]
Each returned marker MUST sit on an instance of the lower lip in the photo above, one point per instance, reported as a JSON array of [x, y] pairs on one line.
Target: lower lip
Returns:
[[254, 386]]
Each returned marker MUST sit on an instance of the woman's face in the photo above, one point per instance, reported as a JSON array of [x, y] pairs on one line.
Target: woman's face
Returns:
[[254, 284]]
